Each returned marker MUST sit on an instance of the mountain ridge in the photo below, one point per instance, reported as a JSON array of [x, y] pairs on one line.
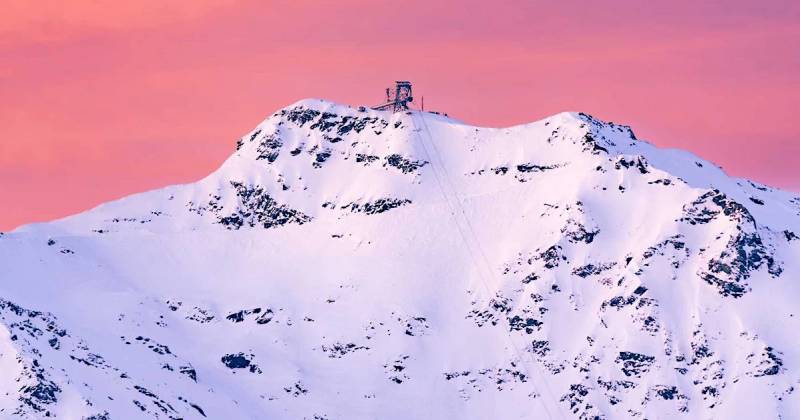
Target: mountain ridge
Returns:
[[568, 118], [350, 263]]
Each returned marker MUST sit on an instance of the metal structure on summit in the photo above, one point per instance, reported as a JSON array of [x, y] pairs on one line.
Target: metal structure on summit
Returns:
[[397, 99]]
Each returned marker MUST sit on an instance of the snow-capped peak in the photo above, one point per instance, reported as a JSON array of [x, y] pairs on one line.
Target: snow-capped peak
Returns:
[[351, 263]]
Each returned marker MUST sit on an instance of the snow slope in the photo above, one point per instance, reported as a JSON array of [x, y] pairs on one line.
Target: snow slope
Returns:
[[357, 264]]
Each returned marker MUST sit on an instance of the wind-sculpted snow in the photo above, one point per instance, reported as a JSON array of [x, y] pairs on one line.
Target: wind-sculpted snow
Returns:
[[345, 263]]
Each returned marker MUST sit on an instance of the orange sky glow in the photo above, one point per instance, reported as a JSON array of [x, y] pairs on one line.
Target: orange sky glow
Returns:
[[102, 99]]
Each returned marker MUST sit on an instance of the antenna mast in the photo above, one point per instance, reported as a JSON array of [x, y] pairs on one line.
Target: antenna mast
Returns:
[[397, 99]]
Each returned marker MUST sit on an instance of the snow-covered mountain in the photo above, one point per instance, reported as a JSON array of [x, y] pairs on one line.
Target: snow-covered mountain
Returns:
[[345, 263]]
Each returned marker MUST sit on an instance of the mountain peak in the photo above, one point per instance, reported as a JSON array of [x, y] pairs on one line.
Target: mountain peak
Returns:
[[316, 152], [387, 258]]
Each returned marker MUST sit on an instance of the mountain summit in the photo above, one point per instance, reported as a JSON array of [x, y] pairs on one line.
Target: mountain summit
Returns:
[[345, 263]]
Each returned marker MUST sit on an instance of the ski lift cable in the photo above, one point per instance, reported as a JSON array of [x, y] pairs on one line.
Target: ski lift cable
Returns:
[[469, 246]]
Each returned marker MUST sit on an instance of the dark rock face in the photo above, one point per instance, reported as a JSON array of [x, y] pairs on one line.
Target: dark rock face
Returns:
[[378, 206], [240, 142], [496, 378], [240, 361], [552, 256], [520, 171], [357, 124], [592, 269], [321, 157], [300, 115], [404, 164], [154, 346], [713, 203], [540, 347], [269, 148], [396, 370], [529, 325], [338, 350], [41, 393], [188, 371], [766, 363], [576, 398], [744, 251], [530, 167], [235, 361], [634, 364], [240, 316], [39, 390], [577, 228], [335, 128], [500, 170], [296, 390], [365, 158], [670, 393], [41, 386], [673, 249], [638, 162], [329, 122], [498, 307], [667, 393], [262, 316], [591, 145], [265, 317], [526, 318], [255, 208], [744, 254], [326, 121], [414, 326]]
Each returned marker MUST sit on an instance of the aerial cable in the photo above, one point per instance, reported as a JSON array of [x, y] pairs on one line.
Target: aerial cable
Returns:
[[469, 247]]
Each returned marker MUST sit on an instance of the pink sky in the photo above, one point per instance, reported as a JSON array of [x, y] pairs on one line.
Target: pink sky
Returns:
[[101, 102]]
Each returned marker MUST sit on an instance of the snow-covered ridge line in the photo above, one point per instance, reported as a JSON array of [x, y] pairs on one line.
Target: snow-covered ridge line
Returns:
[[321, 130], [347, 263]]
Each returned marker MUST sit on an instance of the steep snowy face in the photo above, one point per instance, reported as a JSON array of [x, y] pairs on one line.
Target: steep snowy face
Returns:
[[350, 263]]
